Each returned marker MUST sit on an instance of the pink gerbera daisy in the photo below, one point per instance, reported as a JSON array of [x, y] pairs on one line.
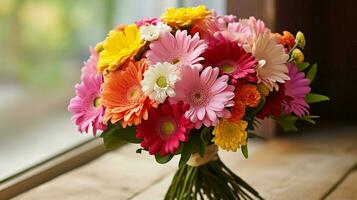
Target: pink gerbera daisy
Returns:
[[207, 94], [181, 49], [235, 32], [86, 106], [231, 59], [296, 88], [148, 21], [90, 66], [166, 127]]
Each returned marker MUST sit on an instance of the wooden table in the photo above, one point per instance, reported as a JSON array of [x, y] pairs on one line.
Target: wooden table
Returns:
[[310, 165]]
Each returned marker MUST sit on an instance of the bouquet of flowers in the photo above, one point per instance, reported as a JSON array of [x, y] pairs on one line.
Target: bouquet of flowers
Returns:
[[188, 83]]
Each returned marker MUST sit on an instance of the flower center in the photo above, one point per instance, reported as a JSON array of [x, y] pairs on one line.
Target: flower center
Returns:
[[198, 97], [175, 61], [229, 129], [161, 82], [97, 102], [167, 128], [227, 68], [133, 93]]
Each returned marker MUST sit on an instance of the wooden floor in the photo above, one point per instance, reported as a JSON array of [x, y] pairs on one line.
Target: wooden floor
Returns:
[[310, 165]]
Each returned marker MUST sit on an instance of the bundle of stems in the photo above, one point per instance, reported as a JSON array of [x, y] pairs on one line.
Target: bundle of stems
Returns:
[[212, 180]]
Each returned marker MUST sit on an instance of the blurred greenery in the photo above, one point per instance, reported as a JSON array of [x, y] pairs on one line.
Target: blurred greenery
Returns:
[[42, 41]]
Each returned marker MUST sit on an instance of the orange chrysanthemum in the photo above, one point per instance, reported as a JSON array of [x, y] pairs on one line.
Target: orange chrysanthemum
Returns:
[[237, 111], [122, 96], [287, 39], [248, 94]]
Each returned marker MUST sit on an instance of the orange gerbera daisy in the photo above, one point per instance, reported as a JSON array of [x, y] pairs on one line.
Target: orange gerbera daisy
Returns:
[[122, 96], [287, 39], [248, 94], [237, 111]]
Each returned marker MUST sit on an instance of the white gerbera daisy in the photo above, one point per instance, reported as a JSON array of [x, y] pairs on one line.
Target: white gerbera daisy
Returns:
[[272, 59], [152, 32], [159, 81]]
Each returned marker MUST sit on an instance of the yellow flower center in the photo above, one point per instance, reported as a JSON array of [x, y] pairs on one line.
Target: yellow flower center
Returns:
[[167, 128], [97, 102], [227, 69], [229, 129], [133, 93], [161, 82]]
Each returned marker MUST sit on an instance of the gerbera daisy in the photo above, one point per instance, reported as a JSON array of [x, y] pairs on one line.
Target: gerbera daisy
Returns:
[[86, 106], [181, 49], [272, 58], [273, 103], [90, 66], [206, 28], [297, 88], [287, 39], [231, 59], [118, 47], [152, 32], [223, 20], [256, 26], [234, 32], [123, 97], [237, 111], [207, 94], [184, 17], [159, 81], [149, 21], [248, 94], [230, 135], [166, 127]]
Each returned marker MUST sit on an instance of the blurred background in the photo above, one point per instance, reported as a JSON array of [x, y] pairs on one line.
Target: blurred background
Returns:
[[44, 44]]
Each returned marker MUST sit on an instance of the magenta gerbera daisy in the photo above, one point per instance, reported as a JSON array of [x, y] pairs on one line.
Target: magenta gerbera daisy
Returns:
[[86, 106], [207, 94], [231, 59], [90, 66], [181, 49], [166, 127], [296, 88]]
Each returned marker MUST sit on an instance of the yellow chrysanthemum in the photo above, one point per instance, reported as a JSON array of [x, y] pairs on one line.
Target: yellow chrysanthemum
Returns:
[[230, 135], [182, 17], [118, 47]]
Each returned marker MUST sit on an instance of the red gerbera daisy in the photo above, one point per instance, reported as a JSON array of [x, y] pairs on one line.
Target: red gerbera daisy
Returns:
[[231, 59], [165, 128], [273, 104]]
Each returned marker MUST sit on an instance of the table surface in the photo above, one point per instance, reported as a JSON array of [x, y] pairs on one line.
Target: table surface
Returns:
[[309, 165]]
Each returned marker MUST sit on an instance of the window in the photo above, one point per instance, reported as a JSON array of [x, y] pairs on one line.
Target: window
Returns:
[[43, 46]]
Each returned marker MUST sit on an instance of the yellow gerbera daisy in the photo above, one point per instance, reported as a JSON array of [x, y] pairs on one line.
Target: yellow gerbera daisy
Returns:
[[230, 135], [182, 17], [118, 47]]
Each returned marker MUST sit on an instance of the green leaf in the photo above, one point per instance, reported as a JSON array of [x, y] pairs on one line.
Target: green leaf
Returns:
[[244, 149], [112, 142], [314, 98], [309, 118], [303, 66], [185, 155], [115, 135], [163, 160], [140, 150], [253, 135], [129, 134], [288, 122], [206, 135], [312, 73], [198, 145]]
